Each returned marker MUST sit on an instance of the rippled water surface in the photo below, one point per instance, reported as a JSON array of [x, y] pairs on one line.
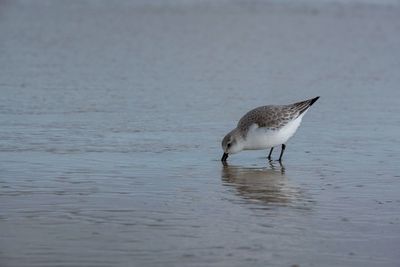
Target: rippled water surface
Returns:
[[112, 115]]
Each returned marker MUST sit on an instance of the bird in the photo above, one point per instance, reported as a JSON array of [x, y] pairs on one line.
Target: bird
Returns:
[[266, 127]]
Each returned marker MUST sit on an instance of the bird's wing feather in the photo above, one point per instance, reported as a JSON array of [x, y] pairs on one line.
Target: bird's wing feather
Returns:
[[274, 117]]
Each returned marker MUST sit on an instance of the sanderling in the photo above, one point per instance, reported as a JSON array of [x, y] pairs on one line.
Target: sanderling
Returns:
[[265, 127]]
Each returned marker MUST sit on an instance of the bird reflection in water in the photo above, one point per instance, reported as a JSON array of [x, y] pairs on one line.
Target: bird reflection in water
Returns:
[[265, 185]]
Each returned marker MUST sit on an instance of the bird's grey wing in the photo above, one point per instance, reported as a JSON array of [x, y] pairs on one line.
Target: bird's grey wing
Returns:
[[274, 117], [271, 117]]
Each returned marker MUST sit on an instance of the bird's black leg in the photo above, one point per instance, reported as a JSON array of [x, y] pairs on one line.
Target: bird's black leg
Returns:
[[282, 150], [270, 153]]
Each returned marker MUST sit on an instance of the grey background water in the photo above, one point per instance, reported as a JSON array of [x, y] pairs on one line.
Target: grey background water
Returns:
[[112, 114]]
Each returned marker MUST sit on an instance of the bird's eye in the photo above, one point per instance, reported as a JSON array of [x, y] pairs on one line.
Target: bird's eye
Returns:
[[228, 145]]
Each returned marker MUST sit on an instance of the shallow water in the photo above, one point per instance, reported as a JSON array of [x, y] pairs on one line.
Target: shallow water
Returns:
[[112, 116]]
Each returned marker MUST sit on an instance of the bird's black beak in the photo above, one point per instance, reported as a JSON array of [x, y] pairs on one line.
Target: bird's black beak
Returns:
[[224, 157]]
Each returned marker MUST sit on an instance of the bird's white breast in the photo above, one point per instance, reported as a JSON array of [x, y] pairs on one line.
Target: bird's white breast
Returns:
[[263, 138]]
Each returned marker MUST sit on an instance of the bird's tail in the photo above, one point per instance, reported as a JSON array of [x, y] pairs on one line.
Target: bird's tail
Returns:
[[304, 105]]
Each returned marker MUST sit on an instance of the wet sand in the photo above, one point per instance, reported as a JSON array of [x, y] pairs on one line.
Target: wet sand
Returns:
[[112, 115]]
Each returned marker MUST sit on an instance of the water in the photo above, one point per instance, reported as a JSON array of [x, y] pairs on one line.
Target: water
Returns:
[[112, 116]]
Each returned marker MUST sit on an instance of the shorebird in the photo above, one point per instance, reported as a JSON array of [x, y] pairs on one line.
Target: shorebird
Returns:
[[266, 127]]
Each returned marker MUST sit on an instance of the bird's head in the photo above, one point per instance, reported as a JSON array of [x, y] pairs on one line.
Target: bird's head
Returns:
[[232, 143]]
